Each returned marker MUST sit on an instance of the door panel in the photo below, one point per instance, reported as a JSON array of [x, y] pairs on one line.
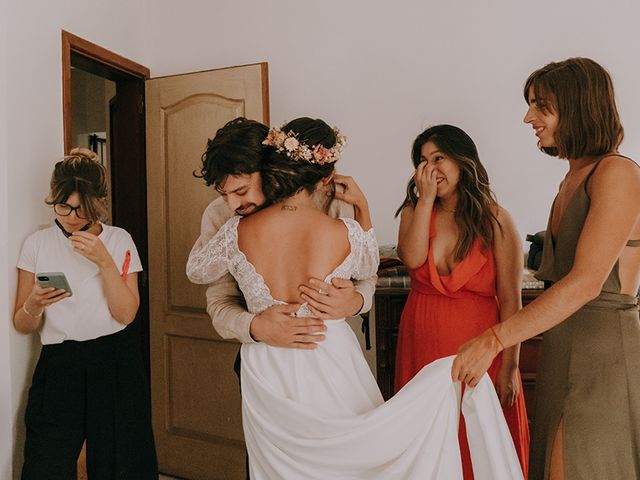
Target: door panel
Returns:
[[195, 393], [184, 146], [190, 357]]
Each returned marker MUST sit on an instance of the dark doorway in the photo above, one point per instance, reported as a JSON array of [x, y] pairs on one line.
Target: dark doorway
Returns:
[[103, 108]]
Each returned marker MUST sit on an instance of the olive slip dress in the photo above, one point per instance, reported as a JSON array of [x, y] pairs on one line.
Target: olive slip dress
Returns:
[[589, 370]]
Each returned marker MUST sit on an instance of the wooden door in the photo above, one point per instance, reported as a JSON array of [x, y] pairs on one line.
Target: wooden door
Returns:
[[195, 393]]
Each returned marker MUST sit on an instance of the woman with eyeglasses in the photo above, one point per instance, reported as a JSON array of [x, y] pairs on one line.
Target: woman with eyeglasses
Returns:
[[89, 384]]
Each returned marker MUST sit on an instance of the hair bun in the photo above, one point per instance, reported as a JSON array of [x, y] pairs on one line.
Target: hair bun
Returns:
[[83, 152]]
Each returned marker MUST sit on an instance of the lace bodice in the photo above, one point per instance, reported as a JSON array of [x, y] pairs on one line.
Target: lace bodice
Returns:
[[208, 262]]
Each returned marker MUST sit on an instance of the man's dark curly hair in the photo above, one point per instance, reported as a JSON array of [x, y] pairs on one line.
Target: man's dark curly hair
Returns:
[[236, 149]]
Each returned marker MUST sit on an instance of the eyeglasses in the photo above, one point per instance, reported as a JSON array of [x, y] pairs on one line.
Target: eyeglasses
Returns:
[[65, 210]]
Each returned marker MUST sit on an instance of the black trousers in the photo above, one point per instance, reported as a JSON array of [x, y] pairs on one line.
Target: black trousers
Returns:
[[95, 390]]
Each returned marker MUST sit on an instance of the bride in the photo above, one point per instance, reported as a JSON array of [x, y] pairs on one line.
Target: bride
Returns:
[[318, 414]]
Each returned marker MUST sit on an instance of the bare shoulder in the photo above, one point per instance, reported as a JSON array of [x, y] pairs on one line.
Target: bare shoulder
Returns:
[[618, 163], [503, 222], [336, 225], [616, 172], [328, 228], [502, 214], [407, 212]]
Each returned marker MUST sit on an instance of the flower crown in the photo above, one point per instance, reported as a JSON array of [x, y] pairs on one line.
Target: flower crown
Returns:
[[297, 150]]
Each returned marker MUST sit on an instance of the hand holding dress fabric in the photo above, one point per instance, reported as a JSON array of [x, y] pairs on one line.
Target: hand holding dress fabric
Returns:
[[474, 358]]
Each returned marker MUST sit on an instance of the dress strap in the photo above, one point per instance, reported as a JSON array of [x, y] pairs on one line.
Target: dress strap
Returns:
[[606, 155], [593, 170], [630, 243]]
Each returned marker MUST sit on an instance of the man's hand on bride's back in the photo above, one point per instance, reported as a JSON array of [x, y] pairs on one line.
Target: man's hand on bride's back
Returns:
[[276, 327]]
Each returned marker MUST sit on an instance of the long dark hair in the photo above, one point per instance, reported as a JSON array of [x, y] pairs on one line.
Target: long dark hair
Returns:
[[283, 177], [580, 91], [474, 213]]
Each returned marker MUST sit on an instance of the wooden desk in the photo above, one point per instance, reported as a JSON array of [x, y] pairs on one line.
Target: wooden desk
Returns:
[[389, 303]]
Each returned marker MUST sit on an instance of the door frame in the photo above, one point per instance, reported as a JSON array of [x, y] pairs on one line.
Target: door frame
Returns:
[[111, 62], [128, 177]]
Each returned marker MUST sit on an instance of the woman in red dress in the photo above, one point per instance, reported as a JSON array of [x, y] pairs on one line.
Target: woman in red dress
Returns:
[[465, 259]]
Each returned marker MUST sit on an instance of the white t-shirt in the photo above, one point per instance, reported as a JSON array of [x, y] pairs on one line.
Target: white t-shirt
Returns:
[[85, 315]]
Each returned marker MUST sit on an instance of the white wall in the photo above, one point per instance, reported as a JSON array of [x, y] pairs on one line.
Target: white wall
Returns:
[[30, 143], [6, 424], [383, 71]]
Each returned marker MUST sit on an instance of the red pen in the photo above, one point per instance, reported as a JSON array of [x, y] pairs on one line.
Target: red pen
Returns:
[[125, 265]]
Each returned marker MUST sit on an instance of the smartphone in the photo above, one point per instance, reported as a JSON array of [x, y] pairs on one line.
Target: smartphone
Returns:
[[57, 280]]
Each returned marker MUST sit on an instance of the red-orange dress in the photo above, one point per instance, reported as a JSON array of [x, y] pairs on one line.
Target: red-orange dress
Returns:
[[442, 313]]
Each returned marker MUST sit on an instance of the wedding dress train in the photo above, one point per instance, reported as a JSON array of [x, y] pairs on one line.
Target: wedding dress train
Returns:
[[318, 414]]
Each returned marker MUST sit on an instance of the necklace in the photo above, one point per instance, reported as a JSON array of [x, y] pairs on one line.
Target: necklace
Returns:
[[446, 209], [68, 234]]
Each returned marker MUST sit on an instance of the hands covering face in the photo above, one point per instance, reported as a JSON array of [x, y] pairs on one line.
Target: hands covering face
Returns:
[[426, 183]]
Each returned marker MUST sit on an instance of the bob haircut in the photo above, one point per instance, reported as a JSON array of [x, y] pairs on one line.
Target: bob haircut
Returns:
[[580, 92]]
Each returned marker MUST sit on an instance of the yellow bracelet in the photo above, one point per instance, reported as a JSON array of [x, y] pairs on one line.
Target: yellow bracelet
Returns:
[[24, 307], [496, 335]]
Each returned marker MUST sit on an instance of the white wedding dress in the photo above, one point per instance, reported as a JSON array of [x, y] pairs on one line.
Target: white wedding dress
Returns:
[[318, 414]]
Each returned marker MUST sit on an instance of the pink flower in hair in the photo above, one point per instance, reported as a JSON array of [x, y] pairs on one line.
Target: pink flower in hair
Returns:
[[296, 150], [280, 138], [321, 153], [271, 137]]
